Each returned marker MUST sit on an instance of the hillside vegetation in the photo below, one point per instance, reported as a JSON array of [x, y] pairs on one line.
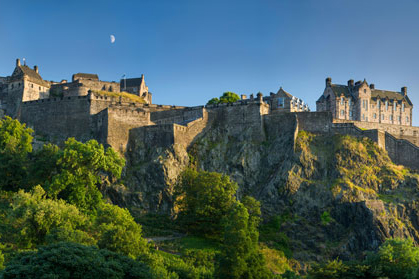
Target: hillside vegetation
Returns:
[[229, 206]]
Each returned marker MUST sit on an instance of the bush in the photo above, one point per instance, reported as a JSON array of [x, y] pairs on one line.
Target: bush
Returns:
[[69, 260]]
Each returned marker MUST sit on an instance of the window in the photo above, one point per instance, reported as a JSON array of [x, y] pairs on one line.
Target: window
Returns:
[[386, 105], [349, 102], [398, 118], [39, 88], [382, 116], [407, 119], [281, 102], [378, 103], [350, 114], [342, 112], [391, 117], [403, 107], [341, 100], [365, 90], [363, 117], [375, 116], [366, 105], [366, 118], [395, 106]]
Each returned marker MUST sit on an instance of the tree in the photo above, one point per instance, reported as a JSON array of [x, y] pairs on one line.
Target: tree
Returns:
[[15, 145], [119, 232], [396, 258], [227, 97], [43, 164], [70, 260], [204, 198], [240, 257], [82, 167], [39, 220]]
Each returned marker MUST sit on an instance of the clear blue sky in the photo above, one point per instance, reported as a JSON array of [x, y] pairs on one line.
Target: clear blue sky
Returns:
[[191, 51]]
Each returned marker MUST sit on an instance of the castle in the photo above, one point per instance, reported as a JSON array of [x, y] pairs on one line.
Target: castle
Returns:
[[120, 113], [362, 102]]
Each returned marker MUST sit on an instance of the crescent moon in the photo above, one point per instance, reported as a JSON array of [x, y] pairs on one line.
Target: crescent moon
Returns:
[[112, 39]]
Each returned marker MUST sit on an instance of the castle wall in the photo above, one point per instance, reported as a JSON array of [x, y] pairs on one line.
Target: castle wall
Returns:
[[120, 121], [402, 152], [177, 115], [315, 122], [409, 133], [57, 119]]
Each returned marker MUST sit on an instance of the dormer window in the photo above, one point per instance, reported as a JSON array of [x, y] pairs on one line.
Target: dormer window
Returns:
[[342, 100], [378, 103], [281, 102], [395, 106], [386, 105]]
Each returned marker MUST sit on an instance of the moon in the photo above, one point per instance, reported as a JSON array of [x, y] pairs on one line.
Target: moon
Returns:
[[112, 39]]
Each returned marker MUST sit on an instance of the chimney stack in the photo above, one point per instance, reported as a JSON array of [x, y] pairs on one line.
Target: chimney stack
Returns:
[[351, 83], [243, 97], [328, 81], [35, 69], [372, 86], [17, 62], [404, 91]]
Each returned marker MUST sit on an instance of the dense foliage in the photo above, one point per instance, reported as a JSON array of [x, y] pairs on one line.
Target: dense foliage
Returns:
[[204, 199], [227, 97], [70, 260]]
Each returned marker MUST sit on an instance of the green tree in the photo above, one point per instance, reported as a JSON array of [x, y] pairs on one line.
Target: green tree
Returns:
[[396, 258], [204, 198], [43, 164], [229, 97], [118, 232], [240, 257], [70, 260], [39, 220], [15, 145], [213, 101], [82, 167]]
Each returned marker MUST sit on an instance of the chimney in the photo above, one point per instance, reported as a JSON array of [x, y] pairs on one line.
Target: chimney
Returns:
[[358, 82], [260, 96], [351, 83], [372, 86], [404, 91], [17, 62], [328, 81], [243, 97], [36, 69]]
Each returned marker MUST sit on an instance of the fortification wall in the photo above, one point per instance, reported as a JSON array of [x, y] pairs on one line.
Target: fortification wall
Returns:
[[120, 121], [186, 134], [147, 136], [409, 133], [402, 152], [315, 122], [56, 119], [176, 115], [242, 119]]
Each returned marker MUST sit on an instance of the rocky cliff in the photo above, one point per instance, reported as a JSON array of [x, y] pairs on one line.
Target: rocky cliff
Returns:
[[341, 195]]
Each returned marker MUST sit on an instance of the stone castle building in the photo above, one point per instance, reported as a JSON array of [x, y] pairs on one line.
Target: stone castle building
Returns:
[[87, 108], [362, 102], [26, 84]]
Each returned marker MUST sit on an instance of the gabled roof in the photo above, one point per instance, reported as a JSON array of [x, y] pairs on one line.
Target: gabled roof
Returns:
[[85, 76], [22, 70], [282, 91], [132, 82]]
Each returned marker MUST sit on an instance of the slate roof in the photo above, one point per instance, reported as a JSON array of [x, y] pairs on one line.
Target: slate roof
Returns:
[[391, 95], [34, 76], [131, 82], [85, 76], [340, 89]]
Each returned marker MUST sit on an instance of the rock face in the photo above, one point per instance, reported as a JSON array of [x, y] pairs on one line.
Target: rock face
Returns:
[[342, 195]]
